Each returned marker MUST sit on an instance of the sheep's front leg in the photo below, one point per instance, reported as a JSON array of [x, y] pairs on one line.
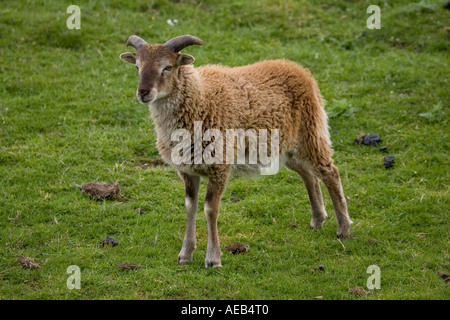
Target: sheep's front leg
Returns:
[[192, 184], [216, 186]]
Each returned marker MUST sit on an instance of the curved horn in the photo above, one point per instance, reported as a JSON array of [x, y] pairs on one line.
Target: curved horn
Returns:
[[136, 42], [179, 43]]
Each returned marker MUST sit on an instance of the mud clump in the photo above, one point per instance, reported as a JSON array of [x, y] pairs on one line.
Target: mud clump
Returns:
[[238, 247], [28, 262], [359, 291], [109, 242], [444, 275], [101, 190], [127, 266]]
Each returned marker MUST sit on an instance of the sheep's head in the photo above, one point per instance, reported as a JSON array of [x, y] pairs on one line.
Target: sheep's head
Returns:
[[157, 64]]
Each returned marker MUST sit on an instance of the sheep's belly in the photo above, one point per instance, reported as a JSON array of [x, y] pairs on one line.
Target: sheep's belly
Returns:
[[259, 169], [245, 169], [236, 169]]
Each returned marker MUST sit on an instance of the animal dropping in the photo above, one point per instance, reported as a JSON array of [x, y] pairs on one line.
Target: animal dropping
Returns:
[[101, 190], [388, 162], [358, 291], [444, 275], [109, 242], [28, 262], [127, 266], [238, 247], [371, 139]]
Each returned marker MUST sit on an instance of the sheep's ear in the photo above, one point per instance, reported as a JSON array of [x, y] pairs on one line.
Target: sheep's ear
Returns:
[[128, 57], [183, 59]]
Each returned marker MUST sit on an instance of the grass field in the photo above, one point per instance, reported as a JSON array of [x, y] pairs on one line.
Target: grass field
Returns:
[[68, 115]]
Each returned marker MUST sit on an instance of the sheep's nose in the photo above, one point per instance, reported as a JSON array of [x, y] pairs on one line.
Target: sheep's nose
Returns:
[[143, 93]]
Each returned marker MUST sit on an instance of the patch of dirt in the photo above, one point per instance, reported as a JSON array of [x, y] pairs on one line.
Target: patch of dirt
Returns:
[[28, 262], [152, 164], [444, 275], [238, 247], [359, 291], [101, 190], [127, 266]]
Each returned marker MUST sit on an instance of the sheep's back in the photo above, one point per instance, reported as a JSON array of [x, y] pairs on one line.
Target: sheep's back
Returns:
[[272, 94]]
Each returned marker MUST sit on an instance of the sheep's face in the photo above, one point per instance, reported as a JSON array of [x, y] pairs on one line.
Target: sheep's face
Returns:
[[157, 65]]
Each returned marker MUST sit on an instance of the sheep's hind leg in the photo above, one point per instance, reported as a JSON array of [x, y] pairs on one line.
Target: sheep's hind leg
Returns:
[[330, 177], [192, 184], [311, 183]]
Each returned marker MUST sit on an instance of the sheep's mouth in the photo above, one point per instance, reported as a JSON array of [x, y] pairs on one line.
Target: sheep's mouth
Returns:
[[148, 101]]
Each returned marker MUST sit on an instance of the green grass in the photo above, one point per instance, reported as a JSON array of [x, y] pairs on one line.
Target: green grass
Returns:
[[68, 115]]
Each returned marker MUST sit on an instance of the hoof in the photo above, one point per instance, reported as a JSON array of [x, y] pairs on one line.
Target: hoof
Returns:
[[185, 257], [184, 260], [213, 264], [344, 231], [344, 236], [317, 223]]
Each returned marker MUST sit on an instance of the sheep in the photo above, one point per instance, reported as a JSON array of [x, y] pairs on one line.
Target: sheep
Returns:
[[269, 95]]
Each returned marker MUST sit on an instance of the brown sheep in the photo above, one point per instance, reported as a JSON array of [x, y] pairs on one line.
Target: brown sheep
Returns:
[[278, 97]]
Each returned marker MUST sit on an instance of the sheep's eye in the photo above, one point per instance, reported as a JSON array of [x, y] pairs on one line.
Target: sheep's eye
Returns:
[[168, 68]]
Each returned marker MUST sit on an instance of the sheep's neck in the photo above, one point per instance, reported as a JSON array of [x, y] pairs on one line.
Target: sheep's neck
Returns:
[[180, 109]]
